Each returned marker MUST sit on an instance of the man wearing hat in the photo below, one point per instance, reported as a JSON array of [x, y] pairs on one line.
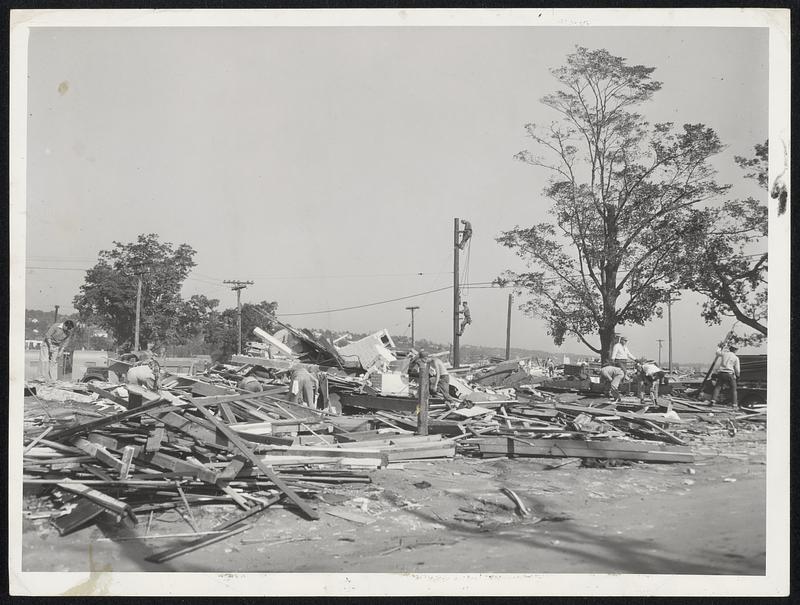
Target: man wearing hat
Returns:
[[55, 341], [728, 373], [620, 354]]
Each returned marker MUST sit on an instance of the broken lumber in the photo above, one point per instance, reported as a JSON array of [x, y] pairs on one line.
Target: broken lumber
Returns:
[[242, 446]]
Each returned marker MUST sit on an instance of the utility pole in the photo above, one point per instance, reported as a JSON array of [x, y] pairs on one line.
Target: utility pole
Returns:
[[138, 269], [508, 330], [660, 344], [412, 309], [670, 300], [55, 315], [238, 286], [456, 296]]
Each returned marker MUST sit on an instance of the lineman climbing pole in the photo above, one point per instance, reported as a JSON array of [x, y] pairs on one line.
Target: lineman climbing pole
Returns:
[[238, 286], [456, 296]]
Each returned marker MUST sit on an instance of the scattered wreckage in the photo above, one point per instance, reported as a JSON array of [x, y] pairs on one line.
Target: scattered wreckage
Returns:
[[237, 435]]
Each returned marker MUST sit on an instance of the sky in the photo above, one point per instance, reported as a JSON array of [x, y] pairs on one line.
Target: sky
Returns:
[[327, 164]]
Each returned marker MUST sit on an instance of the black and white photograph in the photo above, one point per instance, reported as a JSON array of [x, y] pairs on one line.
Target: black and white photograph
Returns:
[[399, 302]]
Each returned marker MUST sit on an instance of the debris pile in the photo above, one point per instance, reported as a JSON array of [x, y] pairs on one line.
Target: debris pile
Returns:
[[237, 435]]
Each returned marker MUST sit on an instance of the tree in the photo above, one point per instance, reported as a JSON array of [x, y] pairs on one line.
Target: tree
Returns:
[[720, 259], [221, 332], [621, 190], [108, 295]]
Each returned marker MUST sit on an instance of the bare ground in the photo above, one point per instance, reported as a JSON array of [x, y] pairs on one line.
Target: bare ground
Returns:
[[701, 518]]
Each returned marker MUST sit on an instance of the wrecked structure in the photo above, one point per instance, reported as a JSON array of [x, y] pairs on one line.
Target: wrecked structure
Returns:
[[124, 453]]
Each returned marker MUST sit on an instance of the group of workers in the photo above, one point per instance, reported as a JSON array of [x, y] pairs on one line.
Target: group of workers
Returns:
[[305, 387], [648, 373]]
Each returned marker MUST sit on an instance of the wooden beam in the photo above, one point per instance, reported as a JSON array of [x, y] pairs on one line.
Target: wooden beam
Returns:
[[101, 422], [574, 448]]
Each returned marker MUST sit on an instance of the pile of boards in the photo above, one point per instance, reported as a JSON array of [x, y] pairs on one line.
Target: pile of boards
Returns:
[[552, 428], [176, 449]]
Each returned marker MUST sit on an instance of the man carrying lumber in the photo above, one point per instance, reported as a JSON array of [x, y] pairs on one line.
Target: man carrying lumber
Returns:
[[304, 386], [613, 375], [55, 341]]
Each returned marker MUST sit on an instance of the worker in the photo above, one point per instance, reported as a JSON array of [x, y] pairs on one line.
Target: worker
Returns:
[[55, 342], [145, 373], [466, 234], [620, 354], [650, 376], [613, 375], [304, 386], [466, 317], [551, 367], [439, 377], [728, 374]]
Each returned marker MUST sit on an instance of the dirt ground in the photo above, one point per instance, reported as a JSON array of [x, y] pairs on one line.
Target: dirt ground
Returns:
[[708, 517]]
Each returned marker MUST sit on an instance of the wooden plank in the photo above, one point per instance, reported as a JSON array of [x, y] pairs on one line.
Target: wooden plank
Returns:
[[235, 496], [192, 546], [184, 425], [330, 452], [471, 412], [154, 440], [106, 394], [117, 506], [84, 513], [36, 440], [227, 413], [127, 458], [242, 446], [176, 465], [231, 470], [101, 422], [235, 398], [98, 452], [568, 448]]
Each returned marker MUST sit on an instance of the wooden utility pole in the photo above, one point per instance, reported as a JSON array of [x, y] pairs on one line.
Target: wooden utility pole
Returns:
[[508, 330], [422, 398], [660, 344], [55, 315], [669, 324], [238, 286], [456, 296], [138, 311], [412, 309]]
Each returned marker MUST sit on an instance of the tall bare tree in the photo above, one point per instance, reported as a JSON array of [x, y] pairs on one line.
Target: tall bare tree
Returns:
[[622, 192]]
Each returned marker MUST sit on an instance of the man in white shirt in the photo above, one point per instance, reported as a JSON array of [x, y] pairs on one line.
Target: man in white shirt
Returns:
[[727, 374], [620, 354]]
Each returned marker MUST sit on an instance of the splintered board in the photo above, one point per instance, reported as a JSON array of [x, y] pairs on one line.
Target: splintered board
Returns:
[[648, 451]]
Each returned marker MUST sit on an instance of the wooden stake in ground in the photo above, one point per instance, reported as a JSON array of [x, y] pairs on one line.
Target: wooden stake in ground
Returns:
[[423, 396]]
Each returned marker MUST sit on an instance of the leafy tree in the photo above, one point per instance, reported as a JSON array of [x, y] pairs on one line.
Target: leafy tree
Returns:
[[720, 261], [108, 295], [621, 190], [221, 332]]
